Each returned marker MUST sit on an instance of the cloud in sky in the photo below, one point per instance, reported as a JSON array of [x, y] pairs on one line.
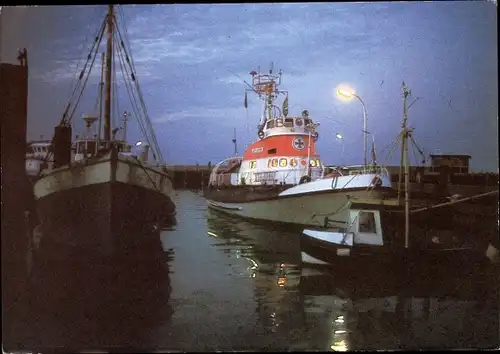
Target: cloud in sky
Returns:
[[184, 56]]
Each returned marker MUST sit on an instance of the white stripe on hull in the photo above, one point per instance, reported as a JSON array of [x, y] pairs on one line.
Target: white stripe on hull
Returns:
[[308, 259], [342, 182], [307, 210], [100, 171]]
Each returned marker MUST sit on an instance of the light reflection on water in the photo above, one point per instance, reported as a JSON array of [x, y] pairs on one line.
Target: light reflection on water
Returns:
[[323, 311], [230, 284]]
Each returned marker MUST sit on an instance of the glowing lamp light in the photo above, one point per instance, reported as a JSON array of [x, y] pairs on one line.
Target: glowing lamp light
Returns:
[[345, 93], [139, 143], [339, 136], [281, 281]]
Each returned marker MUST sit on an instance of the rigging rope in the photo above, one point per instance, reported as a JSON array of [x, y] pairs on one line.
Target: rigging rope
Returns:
[[155, 144], [68, 121], [81, 82], [80, 55], [95, 45], [421, 152], [115, 98], [132, 97], [65, 120]]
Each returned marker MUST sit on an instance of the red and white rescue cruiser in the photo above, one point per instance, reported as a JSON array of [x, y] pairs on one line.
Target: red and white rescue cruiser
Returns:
[[280, 177]]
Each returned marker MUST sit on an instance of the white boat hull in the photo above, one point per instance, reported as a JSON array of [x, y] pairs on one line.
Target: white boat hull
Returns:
[[310, 203], [90, 204]]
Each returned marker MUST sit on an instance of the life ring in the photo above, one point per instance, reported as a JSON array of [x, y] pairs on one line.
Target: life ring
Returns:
[[376, 181], [298, 121], [304, 179], [315, 136], [261, 134]]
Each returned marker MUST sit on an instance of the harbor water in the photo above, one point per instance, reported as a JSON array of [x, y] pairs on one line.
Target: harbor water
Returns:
[[227, 284]]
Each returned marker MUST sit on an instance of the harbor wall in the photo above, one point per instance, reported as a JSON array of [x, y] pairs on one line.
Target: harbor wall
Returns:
[[197, 176], [16, 191]]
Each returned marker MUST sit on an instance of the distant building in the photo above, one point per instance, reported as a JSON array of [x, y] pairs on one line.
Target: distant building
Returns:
[[457, 163]]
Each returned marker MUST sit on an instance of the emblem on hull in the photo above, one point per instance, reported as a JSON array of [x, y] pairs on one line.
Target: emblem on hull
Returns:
[[298, 143]]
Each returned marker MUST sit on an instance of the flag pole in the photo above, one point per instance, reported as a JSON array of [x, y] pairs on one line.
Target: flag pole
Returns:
[[246, 116]]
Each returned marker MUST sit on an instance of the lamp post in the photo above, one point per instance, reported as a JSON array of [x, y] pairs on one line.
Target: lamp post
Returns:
[[340, 138], [374, 160], [312, 129], [349, 94]]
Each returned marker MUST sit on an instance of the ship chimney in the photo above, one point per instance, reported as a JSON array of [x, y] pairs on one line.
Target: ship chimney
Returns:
[[144, 154]]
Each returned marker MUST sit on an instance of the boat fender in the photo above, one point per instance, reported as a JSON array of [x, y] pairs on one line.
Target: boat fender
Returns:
[[376, 181], [315, 136], [304, 179], [261, 134]]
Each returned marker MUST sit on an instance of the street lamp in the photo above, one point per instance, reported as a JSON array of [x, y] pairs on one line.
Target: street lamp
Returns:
[[349, 94]]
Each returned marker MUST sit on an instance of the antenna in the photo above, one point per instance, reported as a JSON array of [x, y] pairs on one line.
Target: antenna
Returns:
[[234, 143], [125, 119]]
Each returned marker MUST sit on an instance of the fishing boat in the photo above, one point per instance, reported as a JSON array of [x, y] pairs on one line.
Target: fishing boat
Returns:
[[377, 238], [280, 177], [37, 157], [97, 187]]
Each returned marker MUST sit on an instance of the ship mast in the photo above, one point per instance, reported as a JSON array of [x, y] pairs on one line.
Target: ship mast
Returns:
[[266, 87], [109, 56], [406, 163]]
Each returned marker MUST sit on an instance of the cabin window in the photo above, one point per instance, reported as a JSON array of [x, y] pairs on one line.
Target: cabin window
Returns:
[[86, 147], [306, 122], [315, 163], [121, 147], [289, 122], [274, 163], [91, 145], [293, 162], [253, 164], [270, 124], [271, 151], [283, 162], [367, 222]]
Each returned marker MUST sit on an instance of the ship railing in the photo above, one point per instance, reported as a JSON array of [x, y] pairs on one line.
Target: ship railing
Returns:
[[360, 169], [277, 177]]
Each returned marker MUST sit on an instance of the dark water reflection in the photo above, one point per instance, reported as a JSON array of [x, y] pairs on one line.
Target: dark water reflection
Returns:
[[228, 284]]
